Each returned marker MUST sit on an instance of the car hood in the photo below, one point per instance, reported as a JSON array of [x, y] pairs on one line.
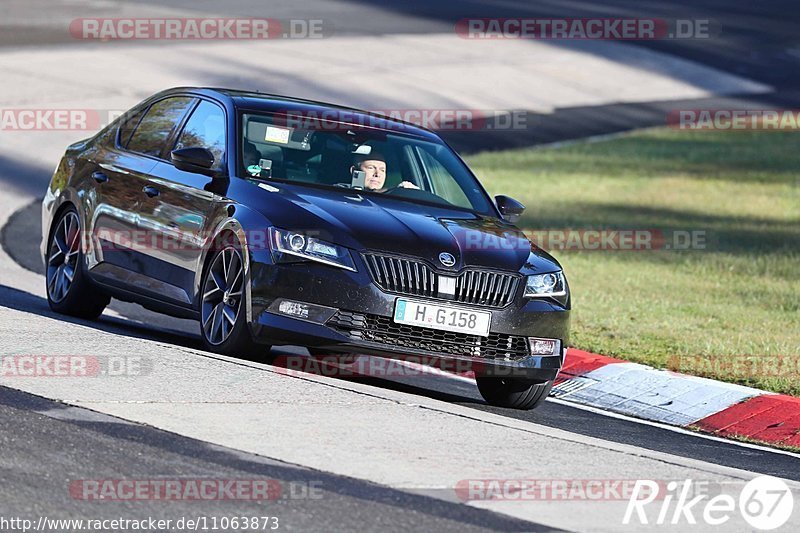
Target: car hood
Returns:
[[370, 222]]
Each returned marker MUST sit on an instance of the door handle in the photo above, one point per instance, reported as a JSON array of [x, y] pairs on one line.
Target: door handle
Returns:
[[151, 191], [99, 177]]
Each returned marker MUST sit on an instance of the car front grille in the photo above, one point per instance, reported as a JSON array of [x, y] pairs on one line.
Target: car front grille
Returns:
[[415, 278], [383, 330]]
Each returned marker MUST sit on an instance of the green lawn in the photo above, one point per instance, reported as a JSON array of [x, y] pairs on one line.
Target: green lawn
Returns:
[[729, 311]]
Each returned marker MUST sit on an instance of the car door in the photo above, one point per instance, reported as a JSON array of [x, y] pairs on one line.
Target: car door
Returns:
[[118, 177], [182, 212], [123, 176]]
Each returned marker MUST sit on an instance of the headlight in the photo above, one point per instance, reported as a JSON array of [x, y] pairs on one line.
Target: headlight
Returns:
[[546, 285], [299, 245]]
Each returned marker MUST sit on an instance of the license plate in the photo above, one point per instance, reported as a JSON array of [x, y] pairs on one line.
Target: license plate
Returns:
[[442, 317]]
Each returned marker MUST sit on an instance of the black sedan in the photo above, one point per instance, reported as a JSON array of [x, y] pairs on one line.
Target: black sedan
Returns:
[[274, 220]]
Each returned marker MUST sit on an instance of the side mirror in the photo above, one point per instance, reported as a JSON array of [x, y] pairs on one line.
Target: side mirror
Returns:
[[196, 160], [509, 208]]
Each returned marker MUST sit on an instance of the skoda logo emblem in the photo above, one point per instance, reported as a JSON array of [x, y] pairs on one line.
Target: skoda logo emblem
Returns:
[[447, 259]]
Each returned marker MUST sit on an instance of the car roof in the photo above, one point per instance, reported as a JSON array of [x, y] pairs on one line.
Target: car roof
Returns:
[[272, 103]]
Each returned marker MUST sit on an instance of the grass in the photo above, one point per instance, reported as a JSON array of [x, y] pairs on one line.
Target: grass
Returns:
[[730, 310]]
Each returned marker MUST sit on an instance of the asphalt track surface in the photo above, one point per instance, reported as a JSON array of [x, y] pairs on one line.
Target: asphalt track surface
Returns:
[[52, 442], [754, 39]]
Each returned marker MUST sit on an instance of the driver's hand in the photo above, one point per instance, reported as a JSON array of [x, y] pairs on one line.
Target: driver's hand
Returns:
[[407, 185]]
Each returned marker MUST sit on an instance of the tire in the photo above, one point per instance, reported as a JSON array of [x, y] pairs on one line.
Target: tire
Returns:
[[223, 321], [77, 296], [513, 393]]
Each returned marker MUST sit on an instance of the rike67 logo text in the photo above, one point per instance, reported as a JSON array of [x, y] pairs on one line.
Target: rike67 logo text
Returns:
[[765, 503]]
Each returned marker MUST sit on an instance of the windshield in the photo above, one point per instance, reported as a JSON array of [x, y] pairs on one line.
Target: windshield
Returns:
[[371, 160]]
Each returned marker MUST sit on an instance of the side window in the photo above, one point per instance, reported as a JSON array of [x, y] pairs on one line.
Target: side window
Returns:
[[205, 129], [153, 131], [443, 183], [128, 123]]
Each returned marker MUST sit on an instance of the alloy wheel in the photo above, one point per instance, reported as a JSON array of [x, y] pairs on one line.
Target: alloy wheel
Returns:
[[62, 261], [222, 296]]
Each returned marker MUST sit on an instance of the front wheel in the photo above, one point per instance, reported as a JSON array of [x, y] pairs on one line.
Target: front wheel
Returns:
[[513, 393], [69, 292], [223, 324]]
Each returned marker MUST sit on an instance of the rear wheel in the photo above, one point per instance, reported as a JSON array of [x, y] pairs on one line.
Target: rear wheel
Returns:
[[223, 324], [513, 393], [69, 292]]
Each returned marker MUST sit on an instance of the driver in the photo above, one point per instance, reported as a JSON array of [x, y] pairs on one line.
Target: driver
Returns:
[[374, 165]]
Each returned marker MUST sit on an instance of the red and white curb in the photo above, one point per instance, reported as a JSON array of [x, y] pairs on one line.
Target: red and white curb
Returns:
[[718, 408], [667, 397], [644, 392]]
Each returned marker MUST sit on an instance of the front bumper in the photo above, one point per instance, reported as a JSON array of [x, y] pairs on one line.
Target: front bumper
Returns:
[[360, 321]]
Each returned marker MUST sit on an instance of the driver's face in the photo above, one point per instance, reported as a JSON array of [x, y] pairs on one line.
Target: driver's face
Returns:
[[376, 173]]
